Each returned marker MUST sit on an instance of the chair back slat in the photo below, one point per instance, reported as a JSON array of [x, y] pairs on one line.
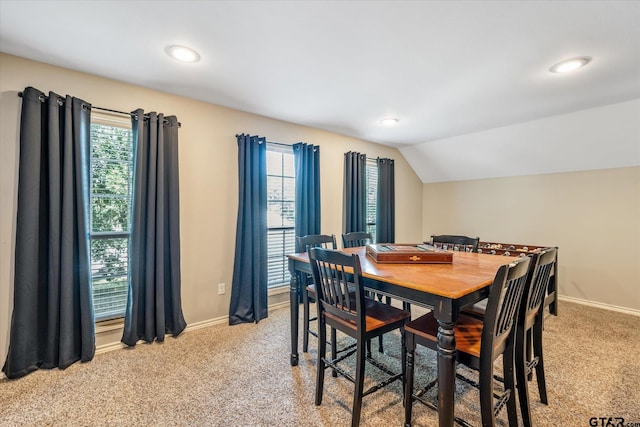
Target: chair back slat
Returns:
[[327, 241], [507, 315], [454, 242], [337, 278], [539, 280], [356, 238], [505, 296]]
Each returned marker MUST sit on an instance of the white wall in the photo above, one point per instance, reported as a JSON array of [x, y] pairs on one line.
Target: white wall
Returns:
[[592, 216], [571, 181], [208, 178], [597, 138]]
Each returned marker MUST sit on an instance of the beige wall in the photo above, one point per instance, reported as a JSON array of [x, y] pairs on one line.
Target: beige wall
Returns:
[[592, 216], [208, 177]]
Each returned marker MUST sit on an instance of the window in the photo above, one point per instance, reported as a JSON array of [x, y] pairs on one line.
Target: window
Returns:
[[111, 169], [280, 212], [372, 195]]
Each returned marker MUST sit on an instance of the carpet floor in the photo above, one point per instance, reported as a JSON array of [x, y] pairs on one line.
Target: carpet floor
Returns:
[[241, 376]]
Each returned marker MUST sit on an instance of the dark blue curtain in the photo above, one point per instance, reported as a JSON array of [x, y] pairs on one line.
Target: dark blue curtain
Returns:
[[249, 283], [386, 206], [154, 306], [307, 210], [52, 322], [355, 192]]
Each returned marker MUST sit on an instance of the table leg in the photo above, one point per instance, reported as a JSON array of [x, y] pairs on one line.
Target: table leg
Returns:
[[446, 371], [294, 308]]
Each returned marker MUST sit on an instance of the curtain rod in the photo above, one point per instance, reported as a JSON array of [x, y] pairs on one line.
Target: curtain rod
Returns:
[[280, 143], [106, 109], [273, 142]]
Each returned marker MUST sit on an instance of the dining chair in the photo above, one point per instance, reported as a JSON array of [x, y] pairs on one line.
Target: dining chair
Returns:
[[356, 238], [551, 298], [334, 274], [454, 242], [529, 354], [303, 243], [478, 344], [362, 238]]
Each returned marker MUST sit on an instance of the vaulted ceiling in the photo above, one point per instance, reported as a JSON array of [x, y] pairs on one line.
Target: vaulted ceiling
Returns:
[[443, 69]]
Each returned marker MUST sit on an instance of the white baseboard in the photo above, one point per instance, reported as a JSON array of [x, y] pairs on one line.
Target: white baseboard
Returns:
[[206, 323], [279, 305], [190, 327], [109, 347], [604, 306]]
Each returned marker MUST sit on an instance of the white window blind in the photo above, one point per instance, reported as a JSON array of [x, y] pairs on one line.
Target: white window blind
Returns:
[[111, 169], [372, 195], [280, 212]]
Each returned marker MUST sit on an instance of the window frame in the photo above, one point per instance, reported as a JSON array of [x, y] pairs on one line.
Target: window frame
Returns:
[[278, 261], [371, 183], [105, 119]]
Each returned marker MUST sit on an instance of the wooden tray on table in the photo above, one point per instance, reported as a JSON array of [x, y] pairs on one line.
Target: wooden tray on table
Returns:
[[408, 253]]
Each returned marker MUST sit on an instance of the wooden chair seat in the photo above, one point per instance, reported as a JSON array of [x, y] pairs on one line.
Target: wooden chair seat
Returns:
[[377, 316], [476, 310], [311, 293], [468, 332]]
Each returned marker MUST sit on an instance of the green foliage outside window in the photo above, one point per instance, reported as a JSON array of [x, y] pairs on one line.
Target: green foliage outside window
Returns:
[[111, 197], [111, 177], [280, 212], [372, 196]]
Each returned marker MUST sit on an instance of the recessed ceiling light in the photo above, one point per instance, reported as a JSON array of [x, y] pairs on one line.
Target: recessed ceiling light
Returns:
[[390, 121], [570, 64], [182, 53]]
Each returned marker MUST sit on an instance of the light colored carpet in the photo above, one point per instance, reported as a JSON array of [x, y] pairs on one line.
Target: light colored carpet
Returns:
[[240, 376]]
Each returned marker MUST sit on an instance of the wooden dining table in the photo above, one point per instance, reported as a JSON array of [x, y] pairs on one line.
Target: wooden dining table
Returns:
[[444, 288]]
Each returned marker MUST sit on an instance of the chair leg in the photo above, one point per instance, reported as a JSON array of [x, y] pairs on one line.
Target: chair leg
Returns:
[[486, 394], [305, 326], [334, 350], [537, 350], [529, 349], [403, 357], [380, 346], [522, 343], [509, 384], [320, 365], [408, 362], [359, 385]]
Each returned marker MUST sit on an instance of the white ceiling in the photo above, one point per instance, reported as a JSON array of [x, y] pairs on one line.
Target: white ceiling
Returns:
[[443, 68]]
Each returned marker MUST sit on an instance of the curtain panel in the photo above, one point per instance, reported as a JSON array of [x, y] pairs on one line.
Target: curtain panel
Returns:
[[355, 192], [52, 321], [249, 282], [306, 159], [154, 305], [386, 206]]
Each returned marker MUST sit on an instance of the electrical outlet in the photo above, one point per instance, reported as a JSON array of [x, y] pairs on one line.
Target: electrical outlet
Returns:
[[221, 289]]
